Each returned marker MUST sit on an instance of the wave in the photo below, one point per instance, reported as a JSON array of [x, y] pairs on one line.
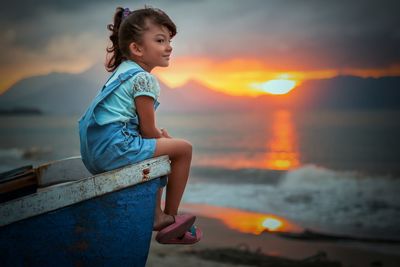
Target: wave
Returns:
[[315, 197]]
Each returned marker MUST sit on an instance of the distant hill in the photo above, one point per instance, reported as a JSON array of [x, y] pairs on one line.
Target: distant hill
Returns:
[[60, 93], [55, 93], [348, 92]]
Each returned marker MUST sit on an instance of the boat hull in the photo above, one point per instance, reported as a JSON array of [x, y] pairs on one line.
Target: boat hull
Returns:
[[109, 230]]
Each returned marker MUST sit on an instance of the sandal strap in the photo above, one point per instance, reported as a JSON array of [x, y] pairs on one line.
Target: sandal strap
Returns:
[[192, 230]]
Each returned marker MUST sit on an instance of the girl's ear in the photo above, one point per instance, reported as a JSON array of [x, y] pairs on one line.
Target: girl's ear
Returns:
[[135, 49]]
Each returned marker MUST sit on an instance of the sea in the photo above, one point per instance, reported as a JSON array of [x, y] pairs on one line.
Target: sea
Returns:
[[334, 171]]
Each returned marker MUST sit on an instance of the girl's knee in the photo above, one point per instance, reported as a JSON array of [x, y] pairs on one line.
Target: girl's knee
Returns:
[[190, 148], [174, 148], [187, 147]]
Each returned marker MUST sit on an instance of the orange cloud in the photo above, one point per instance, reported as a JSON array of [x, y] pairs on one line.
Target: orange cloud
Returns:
[[238, 76]]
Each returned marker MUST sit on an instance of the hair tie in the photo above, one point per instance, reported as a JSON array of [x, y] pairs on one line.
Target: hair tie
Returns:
[[125, 13]]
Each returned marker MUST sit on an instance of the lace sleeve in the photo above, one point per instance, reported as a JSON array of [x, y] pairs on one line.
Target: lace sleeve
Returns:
[[145, 84]]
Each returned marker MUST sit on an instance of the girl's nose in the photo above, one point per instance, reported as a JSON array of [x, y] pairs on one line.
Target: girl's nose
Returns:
[[169, 47]]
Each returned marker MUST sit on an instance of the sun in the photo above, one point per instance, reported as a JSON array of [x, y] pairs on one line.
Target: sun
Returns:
[[275, 87], [271, 223]]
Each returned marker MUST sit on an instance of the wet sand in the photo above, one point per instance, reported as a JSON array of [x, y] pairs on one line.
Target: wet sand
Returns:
[[219, 237]]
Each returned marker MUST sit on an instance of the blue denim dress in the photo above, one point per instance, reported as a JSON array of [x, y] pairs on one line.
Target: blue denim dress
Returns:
[[116, 144]]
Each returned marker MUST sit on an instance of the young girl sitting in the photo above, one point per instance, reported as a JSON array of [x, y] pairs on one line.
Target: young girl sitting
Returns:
[[119, 127]]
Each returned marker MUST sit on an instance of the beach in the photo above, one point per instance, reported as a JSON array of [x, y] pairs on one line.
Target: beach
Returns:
[[211, 250]]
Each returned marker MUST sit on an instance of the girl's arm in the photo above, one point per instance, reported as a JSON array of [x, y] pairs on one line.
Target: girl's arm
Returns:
[[145, 110]]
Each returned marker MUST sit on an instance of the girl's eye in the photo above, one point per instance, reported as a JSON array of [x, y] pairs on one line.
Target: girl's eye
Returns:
[[160, 40]]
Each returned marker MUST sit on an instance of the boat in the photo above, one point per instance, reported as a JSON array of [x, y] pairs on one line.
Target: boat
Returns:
[[74, 218]]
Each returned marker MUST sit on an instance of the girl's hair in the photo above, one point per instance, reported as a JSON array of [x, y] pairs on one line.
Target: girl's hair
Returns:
[[130, 28]]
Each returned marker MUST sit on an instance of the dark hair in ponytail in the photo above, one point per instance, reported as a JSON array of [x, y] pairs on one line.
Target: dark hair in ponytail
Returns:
[[126, 30]]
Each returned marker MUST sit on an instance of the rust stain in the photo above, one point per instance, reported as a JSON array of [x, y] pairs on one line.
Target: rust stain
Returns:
[[146, 174], [39, 171]]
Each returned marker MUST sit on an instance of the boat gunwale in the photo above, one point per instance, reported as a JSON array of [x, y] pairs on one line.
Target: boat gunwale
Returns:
[[68, 193]]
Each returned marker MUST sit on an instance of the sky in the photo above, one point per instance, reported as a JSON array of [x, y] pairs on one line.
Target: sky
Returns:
[[231, 46]]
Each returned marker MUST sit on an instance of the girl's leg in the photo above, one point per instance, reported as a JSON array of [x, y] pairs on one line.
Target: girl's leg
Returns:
[[180, 154], [161, 219]]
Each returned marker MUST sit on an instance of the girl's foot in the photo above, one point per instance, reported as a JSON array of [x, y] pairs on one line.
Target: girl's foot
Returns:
[[161, 221], [177, 229]]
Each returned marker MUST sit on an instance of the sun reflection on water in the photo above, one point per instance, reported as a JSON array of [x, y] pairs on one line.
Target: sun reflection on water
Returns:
[[274, 149], [282, 153]]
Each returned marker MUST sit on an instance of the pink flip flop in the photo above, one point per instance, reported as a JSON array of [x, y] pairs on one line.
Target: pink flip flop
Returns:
[[178, 228], [191, 236]]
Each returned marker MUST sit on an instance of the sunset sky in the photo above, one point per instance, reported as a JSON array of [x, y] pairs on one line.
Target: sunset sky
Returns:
[[233, 46]]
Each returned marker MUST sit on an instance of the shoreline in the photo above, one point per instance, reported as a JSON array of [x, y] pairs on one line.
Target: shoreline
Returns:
[[238, 232], [218, 237]]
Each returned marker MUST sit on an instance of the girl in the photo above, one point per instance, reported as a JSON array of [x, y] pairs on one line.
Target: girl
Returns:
[[119, 126]]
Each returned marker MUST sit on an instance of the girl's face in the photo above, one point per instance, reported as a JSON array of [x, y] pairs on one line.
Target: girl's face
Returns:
[[155, 49]]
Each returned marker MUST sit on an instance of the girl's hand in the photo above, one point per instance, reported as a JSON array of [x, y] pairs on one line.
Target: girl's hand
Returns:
[[164, 133]]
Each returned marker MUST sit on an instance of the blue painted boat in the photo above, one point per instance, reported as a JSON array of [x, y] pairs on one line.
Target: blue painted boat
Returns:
[[77, 219]]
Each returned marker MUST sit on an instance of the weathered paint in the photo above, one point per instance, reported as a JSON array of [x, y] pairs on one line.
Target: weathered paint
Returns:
[[62, 195], [103, 220], [109, 230]]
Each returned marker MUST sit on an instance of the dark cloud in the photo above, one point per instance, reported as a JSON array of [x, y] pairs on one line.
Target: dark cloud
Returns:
[[316, 34], [26, 10], [34, 23], [342, 33]]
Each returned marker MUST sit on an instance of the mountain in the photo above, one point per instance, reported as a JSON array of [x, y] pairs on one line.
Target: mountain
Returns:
[[55, 93], [348, 92], [61, 93]]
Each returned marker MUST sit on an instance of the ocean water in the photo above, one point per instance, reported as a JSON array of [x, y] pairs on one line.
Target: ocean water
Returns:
[[335, 171]]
